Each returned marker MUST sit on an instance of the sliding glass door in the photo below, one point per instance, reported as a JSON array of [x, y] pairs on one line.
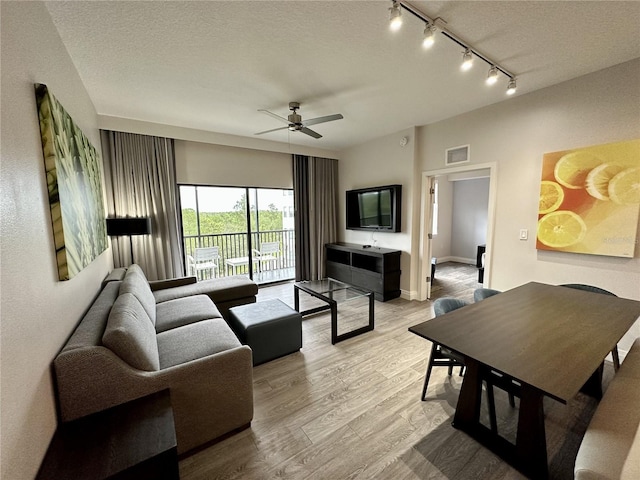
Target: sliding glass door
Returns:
[[238, 231]]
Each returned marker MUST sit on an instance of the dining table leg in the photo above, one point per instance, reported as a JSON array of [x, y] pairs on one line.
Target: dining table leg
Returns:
[[531, 442], [468, 408], [593, 386], [529, 454]]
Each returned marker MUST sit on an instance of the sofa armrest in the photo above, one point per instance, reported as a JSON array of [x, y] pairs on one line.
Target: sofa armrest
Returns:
[[93, 378], [171, 283], [211, 396], [116, 275]]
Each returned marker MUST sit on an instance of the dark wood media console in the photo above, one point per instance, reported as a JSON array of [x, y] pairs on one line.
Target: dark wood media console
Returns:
[[376, 269]]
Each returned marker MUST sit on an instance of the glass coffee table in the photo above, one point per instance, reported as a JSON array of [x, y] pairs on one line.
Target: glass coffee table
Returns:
[[333, 292]]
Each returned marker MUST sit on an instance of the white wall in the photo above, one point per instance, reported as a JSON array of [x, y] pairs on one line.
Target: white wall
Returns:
[[599, 108], [117, 124], [383, 161], [38, 311], [469, 225]]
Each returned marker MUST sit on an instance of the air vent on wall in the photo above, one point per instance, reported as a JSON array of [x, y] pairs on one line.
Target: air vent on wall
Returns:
[[457, 155]]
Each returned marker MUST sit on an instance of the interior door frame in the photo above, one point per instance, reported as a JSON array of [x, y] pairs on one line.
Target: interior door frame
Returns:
[[426, 221]]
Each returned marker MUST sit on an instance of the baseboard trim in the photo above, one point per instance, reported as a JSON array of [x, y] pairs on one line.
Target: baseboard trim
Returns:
[[409, 294], [470, 261]]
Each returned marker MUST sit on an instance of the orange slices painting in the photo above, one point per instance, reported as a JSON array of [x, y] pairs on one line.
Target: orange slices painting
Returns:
[[590, 200]]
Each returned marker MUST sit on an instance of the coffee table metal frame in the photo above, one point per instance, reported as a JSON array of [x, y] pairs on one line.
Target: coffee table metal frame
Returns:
[[333, 292]]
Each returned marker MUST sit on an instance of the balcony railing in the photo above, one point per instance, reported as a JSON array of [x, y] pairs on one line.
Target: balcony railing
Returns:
[[234, 247]]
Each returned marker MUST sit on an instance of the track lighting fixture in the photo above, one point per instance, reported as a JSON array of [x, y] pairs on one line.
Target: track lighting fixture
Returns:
[[492, 76], [467, 60], [429, 35], [438, 25], [395, 16]]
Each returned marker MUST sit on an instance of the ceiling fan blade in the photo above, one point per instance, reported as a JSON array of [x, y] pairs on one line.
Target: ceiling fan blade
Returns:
[[310, 132], [328, 118], [277, 117], [272, 130]]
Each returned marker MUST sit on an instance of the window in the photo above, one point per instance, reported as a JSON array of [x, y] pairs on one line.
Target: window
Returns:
[[238, 221]]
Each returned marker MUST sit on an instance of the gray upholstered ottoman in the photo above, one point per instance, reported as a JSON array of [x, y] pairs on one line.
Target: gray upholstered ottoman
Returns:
[[271, 328]]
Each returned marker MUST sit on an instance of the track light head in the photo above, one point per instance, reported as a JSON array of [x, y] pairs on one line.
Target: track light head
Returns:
[[511, 87], [467, 60], [395, 16], [492, 76], [429, 36]]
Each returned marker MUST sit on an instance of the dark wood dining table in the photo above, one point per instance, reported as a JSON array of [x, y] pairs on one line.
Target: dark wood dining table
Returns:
[[535, 340]]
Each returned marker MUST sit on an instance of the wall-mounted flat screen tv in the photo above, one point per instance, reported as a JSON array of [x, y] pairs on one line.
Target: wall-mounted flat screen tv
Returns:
[[375, 208]]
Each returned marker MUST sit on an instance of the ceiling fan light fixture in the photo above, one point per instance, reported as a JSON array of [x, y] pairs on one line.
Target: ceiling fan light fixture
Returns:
[[429, 36], [395, 16], [492, 76], [296, 124], [511, 87], [467, 60]]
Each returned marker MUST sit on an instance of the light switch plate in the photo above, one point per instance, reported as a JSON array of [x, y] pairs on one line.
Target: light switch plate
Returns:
[[524, 234]]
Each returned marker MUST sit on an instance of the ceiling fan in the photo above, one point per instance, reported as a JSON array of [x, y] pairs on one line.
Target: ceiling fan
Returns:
[[296, 124]]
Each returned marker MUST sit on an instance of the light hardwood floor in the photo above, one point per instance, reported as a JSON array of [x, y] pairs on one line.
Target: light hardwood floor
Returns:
[[353, 410]]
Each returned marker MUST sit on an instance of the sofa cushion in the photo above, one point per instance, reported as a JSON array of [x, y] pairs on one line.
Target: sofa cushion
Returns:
[[136, 283], [90, 330], [630, 366], [218, 289], [631, 468], [183, 311], [130, 334], [608, 447], [197, 340]]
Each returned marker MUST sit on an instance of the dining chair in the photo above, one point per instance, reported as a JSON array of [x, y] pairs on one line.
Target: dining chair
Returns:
[[591, 288], [205, 259], [441, 356], [482, 293]]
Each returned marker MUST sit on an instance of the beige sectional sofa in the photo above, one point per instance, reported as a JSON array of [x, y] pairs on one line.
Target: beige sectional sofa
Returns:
[[134, 341], [610, 448]]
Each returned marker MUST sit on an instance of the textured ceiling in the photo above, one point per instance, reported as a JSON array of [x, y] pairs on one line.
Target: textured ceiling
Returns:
[[210, 65]]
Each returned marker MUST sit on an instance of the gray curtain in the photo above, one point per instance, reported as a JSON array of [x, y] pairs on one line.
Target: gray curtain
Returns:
[[315, 186], [140, 177]]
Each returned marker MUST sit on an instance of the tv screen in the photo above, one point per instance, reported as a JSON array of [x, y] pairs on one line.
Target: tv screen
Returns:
[[376, 208]]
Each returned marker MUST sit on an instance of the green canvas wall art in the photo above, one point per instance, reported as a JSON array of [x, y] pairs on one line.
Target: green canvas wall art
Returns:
[[74, 183]]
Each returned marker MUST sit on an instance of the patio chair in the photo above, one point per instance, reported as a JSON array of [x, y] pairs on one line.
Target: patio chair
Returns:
[[204, 259], [269, 252], [590, 288]]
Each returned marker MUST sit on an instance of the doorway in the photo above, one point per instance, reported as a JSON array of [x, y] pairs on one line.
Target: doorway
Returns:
[[455, 243]]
